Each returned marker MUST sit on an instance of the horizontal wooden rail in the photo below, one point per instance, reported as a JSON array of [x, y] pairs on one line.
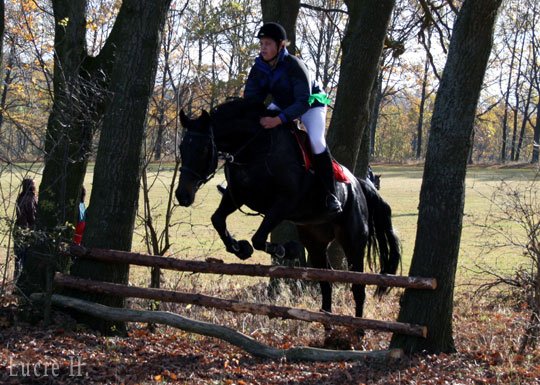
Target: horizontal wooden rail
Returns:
[[304, 273], [271, 311]]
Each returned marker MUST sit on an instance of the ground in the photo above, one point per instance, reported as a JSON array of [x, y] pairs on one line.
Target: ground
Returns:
[[486, 339]]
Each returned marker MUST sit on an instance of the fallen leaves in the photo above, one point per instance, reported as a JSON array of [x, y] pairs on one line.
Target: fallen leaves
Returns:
[[171, 356]]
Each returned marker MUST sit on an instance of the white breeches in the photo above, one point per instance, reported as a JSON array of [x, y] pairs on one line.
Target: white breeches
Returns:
[[315, 122]]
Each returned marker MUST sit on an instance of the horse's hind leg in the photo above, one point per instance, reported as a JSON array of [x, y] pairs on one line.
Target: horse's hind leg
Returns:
[[354, 245], [242, 249], [316, 240]]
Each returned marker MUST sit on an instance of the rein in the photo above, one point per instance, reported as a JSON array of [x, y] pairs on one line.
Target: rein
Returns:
[[230, 158], [212, 168]]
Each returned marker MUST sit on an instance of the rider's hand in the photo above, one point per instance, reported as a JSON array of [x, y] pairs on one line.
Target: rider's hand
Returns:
[[268, 122]]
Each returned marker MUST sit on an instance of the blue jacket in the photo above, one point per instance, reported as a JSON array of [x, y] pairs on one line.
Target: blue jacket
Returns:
[[289, 84]]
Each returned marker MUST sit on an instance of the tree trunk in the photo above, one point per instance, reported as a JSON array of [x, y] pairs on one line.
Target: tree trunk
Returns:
[[213, 86], [507, 102], [524, 122], [536, 142], [470, 160], [64, 169], [514, 131], [362, 48], [2, 28], [7, 82], [375, 111], [161, 109], [536, 84], [66, 143], [362, 161], [443, 185], [285, 13], [113, 204], [420, 125], [517, 95]]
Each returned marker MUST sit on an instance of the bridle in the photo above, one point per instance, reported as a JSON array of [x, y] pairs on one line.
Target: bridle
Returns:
[[211, 167]]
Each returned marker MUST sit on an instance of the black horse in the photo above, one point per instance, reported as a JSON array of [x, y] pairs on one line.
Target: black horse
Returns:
[[265, 171], [374, 178]]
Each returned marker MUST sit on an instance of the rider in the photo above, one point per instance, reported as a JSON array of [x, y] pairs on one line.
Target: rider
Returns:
[[287, 80]]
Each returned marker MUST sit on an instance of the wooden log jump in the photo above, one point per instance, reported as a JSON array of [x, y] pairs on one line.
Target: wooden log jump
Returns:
[[271, 311], [250, 345], [304, 273]]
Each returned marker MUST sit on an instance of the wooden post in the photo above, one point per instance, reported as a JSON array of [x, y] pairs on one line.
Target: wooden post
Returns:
[[271, 311], [305, 273]]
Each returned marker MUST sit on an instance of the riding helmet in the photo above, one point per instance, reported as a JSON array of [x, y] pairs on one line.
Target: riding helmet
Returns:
[[274, 31]]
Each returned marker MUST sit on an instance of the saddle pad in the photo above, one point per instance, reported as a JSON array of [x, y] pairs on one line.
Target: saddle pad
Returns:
[[307, 155], [339, 174]]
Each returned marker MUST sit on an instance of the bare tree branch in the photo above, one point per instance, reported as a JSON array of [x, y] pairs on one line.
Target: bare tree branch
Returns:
[[321, 9]]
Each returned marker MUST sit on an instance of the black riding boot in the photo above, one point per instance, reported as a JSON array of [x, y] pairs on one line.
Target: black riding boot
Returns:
[[322, 164]]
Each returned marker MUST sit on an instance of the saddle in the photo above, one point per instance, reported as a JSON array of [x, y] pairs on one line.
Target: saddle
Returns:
[[304, 147]]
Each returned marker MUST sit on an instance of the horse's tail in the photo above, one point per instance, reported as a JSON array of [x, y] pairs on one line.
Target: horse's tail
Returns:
[[382, 239]]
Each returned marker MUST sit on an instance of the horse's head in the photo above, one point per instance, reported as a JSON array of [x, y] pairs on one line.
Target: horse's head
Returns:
[[377, 181], [199, 156]]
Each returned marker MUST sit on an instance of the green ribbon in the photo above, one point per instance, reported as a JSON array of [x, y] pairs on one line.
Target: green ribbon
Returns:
[[320, 97]]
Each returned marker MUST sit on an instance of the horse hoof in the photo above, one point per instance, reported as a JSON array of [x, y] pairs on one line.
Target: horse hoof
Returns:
[[245, 250], [381, 291], [277, 251], [360, 334], [338, 339]]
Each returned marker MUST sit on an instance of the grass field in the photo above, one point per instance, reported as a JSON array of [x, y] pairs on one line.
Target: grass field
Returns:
[[195, 238], [401, 187]]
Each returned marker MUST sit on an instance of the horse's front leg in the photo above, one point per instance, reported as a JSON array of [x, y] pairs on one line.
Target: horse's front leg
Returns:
[[274, 216], [242, 249]]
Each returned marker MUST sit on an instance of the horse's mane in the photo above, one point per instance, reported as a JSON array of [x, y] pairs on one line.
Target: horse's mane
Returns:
[[238, 119], [237, 109]]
